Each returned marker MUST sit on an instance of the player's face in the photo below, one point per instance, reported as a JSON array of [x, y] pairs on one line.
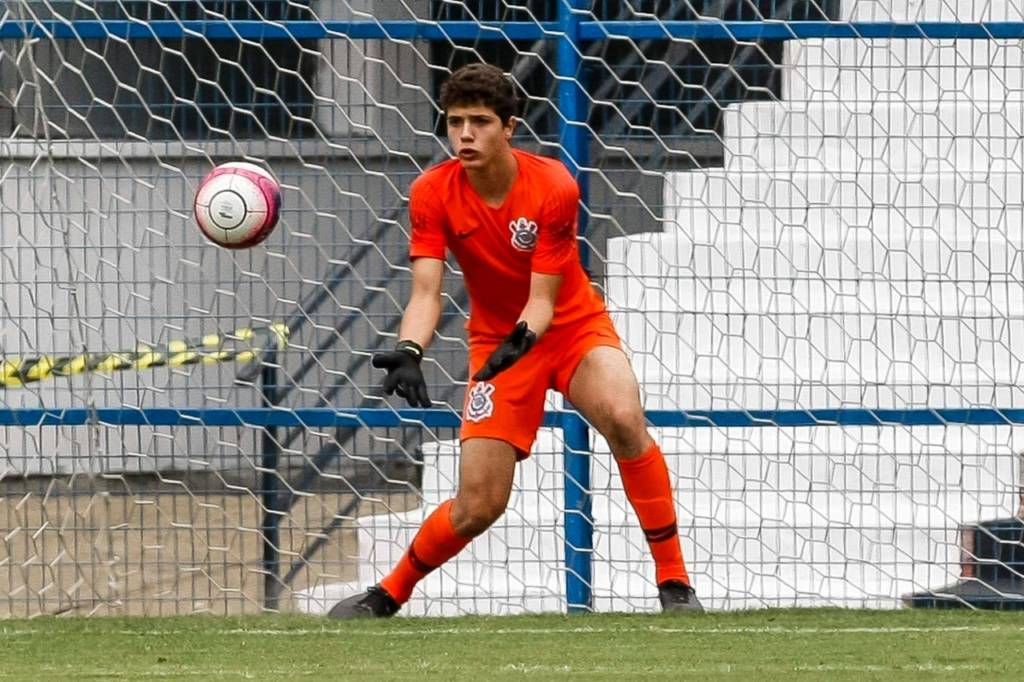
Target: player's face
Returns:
[[477, 135]]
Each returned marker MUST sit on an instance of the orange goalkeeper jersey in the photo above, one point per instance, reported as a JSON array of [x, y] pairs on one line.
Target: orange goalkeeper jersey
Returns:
[[534, 230]]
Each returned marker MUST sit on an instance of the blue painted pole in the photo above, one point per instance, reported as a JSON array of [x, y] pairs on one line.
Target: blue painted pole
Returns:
[[579, 516], [574, 134], [574, 138]]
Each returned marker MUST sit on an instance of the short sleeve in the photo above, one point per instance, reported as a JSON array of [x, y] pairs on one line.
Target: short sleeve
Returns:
[[556, 236], [427, 220]]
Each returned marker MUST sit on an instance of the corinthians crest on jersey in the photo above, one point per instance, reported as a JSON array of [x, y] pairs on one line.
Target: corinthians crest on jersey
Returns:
[[479, 402], [524, 234]]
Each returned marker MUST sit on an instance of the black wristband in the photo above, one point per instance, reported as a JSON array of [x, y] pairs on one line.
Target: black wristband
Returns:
[[411, 347]]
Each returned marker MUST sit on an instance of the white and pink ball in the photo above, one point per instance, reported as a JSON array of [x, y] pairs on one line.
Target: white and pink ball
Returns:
[[238, 205]]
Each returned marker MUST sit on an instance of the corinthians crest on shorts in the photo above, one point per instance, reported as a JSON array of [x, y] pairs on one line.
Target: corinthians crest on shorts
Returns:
[[478, 403], [524, 234]]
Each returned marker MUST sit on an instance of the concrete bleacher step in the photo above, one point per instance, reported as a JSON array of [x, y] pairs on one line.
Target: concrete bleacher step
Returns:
[[865, 120], [732, 192], [863, 301], [876, 153], [827, 251], [829, 241], [770, 565], [931, 10], [766, 517], [875, 135], [902, 70], [766, 564], [737, 383], [748, 321], [883, 236], [440, 479], [454, 591], [906, 55]]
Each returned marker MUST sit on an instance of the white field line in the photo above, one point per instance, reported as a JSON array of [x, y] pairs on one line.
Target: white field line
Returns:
[[173, 671], [916, 667], [419, 632], [650, 629], [728, 668]]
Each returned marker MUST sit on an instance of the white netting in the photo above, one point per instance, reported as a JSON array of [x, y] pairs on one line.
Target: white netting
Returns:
[[858, 247], [804, 224]]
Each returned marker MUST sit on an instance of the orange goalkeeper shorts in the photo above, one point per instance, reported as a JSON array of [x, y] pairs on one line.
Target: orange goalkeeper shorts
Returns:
[[510, 407]]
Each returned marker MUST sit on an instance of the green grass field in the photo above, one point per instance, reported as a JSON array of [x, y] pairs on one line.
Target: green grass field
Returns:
[[810, 644]]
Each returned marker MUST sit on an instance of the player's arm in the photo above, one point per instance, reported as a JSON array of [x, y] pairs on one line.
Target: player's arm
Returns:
[[556, 250], [405, 377], [423, 311], [533, 322], [540, 306]]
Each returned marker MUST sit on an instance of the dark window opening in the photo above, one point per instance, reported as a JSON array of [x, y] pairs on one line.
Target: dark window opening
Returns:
[[638, 88], [190, 88]]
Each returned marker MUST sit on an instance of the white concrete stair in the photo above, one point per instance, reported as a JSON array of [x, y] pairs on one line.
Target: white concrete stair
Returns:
[[809, 516], [802, 516], [861, 247], [761, 320], [766, 203], [905, 70], [877, 137], [873, 119], [932, 10], [515, 567]]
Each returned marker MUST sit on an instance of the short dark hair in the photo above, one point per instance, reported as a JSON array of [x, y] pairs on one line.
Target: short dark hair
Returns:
[[481, 84]]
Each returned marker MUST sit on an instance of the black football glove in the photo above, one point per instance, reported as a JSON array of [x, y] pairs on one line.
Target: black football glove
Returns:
[[511, 349], [404, 375]]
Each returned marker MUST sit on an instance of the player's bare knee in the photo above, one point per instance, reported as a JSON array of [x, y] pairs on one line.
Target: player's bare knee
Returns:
[[625, 430], [472, 515], [474, 522]]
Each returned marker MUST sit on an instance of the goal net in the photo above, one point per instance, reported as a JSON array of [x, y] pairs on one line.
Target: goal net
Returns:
[[785, 225]]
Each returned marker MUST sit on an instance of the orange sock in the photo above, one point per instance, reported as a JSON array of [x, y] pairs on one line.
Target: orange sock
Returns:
[[435, 543], [647, 486]]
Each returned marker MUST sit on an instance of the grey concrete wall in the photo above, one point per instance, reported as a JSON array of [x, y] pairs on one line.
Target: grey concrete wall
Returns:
[[98, 251]]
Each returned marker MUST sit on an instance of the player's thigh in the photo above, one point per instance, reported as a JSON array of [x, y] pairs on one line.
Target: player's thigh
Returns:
[[605, 390]]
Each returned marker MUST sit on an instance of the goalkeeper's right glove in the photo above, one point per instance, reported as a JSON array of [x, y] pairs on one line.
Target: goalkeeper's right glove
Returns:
[[515, 346], [404, 375]]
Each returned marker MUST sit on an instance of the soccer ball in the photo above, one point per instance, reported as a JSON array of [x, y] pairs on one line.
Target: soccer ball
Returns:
[[237, 205]]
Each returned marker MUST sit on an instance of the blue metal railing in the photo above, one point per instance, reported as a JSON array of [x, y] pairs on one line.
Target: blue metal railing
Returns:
[[328, 417], [516, 30], [256, 99]]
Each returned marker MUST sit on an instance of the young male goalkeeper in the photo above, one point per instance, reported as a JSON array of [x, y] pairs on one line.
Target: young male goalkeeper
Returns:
[[509, 218]]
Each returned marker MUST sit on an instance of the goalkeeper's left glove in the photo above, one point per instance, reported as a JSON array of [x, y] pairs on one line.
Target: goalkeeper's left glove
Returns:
[[404, 375], [511, 349]]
